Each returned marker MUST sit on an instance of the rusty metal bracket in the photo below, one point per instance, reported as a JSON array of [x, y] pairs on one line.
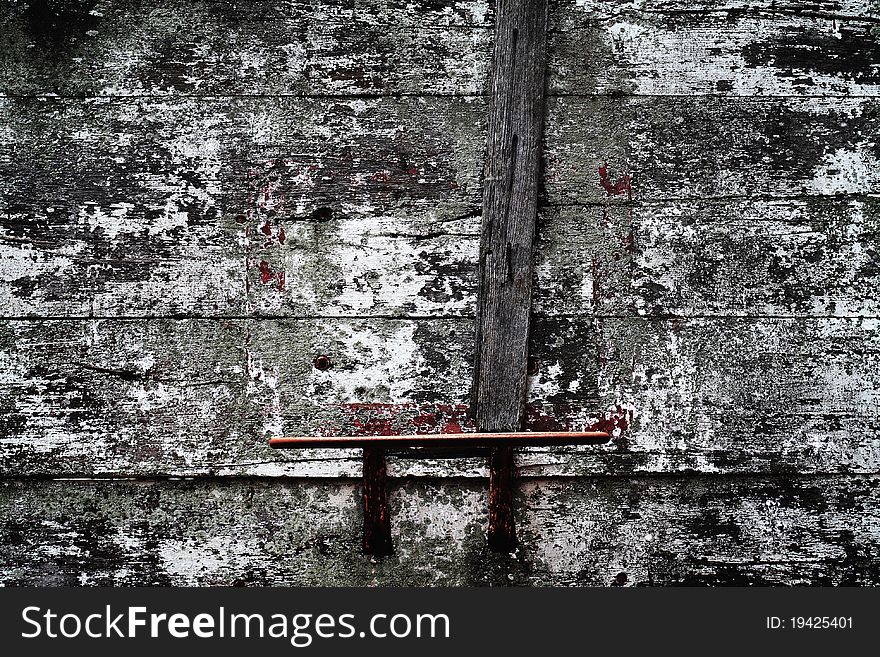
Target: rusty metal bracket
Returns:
[[377, 519]]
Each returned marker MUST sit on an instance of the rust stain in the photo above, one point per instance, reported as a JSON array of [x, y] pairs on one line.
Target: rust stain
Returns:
[[539, 420]]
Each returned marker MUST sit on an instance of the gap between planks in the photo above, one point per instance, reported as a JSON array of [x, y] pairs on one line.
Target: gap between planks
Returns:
[[665, 317]]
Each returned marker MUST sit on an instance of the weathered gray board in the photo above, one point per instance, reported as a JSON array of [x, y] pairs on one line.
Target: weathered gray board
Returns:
[[511, 187], [160, 167], [643, 530]]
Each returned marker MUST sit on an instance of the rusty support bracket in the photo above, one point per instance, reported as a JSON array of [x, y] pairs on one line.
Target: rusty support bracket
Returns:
[[377, 519]]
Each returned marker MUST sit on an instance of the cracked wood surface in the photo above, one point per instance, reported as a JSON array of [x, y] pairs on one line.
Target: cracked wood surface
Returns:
[[511, 184]]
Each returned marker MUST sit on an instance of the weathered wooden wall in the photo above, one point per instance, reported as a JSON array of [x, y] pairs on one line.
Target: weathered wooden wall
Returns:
[[198, 197]]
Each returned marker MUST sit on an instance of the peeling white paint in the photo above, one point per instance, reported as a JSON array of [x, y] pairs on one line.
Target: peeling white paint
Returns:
[[845, 171], [192, 561]]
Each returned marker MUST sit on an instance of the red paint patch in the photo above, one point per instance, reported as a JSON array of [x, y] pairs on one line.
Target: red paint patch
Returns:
[[622, 186], [373, 419], [265, 271], [266, 229], [401, 419], [620, 418], [538, 420], [281, 235]]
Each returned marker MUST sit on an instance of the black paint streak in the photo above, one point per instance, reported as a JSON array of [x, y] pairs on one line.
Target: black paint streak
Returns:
[[853, 54], [57, 25]]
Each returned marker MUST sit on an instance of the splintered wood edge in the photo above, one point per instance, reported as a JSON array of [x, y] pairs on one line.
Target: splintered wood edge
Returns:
[[525, 438]]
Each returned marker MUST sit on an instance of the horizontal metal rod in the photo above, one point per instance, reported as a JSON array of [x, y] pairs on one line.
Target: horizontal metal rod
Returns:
[[523, 438]]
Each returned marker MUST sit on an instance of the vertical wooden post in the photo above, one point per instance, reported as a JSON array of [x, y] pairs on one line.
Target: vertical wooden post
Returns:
[[377, 521], [510, 205]]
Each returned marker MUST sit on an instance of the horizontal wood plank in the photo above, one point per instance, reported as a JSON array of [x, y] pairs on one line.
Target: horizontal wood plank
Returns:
[[196, 396], [220, 47], [390, 48], [600, 532], [193, 397], [799, 257], [802, 257], [661, 49], [606, 8], [709, 147], [714, 395]]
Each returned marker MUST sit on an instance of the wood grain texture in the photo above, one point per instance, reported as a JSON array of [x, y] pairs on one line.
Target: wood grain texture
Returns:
[[388, 48], [146, 395], [183, 398], [684, 50], [709, 147], [809, 257], [506, 262], [640, 531], [172, 208], [220, 47], [510, 212], [703, 392], [608, 8], [801, 257]]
